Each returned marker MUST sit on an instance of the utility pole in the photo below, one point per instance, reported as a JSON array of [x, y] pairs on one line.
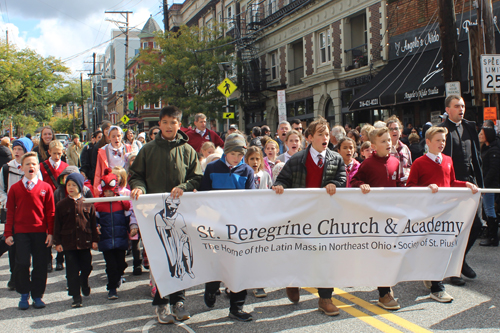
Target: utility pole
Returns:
[[83, 109], [165, 16], [7, 37], [125, 30], [449, 41], [485, 23]]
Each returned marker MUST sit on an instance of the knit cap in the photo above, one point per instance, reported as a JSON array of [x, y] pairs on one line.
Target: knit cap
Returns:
[[77, 178], [75, 136], [235, 142], [25, 143]]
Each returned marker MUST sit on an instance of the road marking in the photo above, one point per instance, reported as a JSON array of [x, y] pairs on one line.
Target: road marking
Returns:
[[152, 322], [186, 327], [381, 312], [380, 325]]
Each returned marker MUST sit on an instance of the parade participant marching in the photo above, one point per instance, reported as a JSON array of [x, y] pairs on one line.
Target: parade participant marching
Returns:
[[314, 167], [167, 164]]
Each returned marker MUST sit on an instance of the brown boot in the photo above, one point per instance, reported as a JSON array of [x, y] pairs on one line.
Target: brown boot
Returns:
[[293, 294], [326, 305]]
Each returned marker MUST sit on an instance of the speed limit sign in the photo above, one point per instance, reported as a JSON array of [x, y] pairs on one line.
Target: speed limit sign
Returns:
[[490, 73]]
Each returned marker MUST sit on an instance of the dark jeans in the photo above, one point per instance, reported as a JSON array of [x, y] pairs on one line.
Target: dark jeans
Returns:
[[475, 231], [78, 268], [3, 246], [31, 247], [136, 253], [236, 300], [325, 292], [59, 257], [115, 266], [382, 291], [437, 286], [12, 262], [179, 296]]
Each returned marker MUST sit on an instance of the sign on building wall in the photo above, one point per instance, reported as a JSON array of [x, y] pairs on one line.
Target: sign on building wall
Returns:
[[281, 105]]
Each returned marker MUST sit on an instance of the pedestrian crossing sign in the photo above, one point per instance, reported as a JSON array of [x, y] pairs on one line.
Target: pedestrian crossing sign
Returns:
[[227, 87], [125, 119], [228, 115]]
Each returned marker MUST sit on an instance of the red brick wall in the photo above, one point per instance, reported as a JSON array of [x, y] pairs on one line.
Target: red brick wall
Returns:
[[376, 31], [336, 44], [407, 15], [308, 46], [282, 60]]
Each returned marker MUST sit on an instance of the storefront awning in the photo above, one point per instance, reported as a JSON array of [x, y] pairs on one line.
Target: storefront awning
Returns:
[[412, 78]]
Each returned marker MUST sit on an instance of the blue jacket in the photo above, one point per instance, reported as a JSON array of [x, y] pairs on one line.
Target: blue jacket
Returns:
[[218, 176], [114, 225]]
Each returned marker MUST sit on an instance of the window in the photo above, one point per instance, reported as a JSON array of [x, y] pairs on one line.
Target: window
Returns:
[[146, 106], [155, 45], [230, 17], [145, 45], [325, 47], [157, 105], [274, 65], [271, 7]]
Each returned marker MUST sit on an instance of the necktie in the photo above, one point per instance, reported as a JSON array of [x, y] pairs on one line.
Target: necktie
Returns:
[[348, 168], [438, 160], [19, 167], [30, 185], [231, 167], [116, 152], [320, 160]]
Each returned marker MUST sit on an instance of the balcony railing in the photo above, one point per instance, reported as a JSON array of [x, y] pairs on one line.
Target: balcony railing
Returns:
[[356, 57], [296, 75]]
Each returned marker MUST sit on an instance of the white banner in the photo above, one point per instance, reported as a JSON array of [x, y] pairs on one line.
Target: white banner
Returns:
[[304, 237]]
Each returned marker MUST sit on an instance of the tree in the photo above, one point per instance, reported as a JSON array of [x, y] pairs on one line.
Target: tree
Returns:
[[185, 72], [24, 124], [66, 124], [27, 80]]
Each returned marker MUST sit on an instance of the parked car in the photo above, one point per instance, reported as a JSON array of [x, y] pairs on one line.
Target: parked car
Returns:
[[64, 138]]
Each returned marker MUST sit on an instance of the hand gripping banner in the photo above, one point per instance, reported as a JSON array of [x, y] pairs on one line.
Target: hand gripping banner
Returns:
[[305, 237]]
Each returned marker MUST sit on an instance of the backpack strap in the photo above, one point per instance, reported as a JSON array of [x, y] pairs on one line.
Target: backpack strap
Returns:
[[49, 172], [5, 173]]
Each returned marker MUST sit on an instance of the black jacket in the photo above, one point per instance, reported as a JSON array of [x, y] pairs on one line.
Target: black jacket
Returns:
[[461, 172], [5, 155], [491, 164]]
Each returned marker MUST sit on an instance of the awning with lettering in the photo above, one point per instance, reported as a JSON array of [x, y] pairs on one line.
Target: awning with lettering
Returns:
[[412, 78]]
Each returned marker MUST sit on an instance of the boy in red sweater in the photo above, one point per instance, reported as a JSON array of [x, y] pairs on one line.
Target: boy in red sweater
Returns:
[[380, 170], [52, 168], [30, 222], [435, 170]]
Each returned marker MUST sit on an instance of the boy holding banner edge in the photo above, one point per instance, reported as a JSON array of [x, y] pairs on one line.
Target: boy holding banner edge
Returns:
[[380, 170], [167, 164], [314, 167], [435, 170]]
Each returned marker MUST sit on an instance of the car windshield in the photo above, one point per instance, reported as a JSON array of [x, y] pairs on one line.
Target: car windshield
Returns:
[[61, 136]]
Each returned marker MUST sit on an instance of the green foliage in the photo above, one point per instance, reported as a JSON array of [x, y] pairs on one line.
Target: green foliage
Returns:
[[185, 72], [70, 91], [27, 80], [65, 124], [24, 124]]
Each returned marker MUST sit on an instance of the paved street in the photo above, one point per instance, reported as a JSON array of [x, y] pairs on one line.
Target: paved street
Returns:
[[475, 309]]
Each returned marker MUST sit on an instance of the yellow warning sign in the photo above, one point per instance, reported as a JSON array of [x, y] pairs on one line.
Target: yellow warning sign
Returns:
[[125, 119], [228, 115], [227, 87]]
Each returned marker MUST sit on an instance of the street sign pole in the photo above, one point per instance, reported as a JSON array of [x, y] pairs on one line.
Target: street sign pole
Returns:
[[227, 103]]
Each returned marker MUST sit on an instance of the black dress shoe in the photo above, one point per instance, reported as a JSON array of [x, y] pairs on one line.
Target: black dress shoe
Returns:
[[240, 315], [209, 299], [467, 271], [457, 281], [59, 267], [49, 267]]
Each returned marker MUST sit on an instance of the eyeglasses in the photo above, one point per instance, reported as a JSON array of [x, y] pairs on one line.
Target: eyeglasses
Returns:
[[394, 129]]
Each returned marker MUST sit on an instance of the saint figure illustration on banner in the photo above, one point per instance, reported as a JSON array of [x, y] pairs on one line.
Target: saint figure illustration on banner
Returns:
[[171, 229]]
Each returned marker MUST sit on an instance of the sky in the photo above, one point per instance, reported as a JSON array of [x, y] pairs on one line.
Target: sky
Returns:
[[70, 30]]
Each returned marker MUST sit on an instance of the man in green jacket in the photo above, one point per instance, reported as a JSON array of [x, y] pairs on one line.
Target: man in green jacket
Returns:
[[167, 164]]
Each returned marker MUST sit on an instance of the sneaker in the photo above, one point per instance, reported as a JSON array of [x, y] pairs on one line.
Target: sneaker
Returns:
[[259, 293], [180, 312], [164, 315], [209, 299], [293, 294], [77, 302], [59, 267], [24, 303], [137, 270], [326, 305], [38, 303], [112, 295], [153, 291], [457, 281], [86, 291], [468, 272], [49, 267], [240, 315], [388, 302], [441, 296], [428, 284], [11, 285]]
